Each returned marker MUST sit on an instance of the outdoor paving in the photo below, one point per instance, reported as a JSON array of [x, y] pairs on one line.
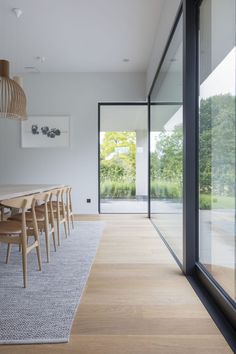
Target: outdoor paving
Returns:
[[139, 206]]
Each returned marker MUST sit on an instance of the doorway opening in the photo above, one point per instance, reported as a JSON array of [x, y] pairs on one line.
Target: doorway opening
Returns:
[[123, 158]]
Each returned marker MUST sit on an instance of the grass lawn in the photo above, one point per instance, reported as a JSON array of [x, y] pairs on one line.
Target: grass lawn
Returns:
[[208, 201]]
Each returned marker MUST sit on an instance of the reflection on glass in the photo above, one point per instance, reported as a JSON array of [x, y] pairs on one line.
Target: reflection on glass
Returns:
[[167, 147], [217, 142]]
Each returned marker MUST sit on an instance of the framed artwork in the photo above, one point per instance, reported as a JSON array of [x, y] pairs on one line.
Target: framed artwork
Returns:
[[45, 132]]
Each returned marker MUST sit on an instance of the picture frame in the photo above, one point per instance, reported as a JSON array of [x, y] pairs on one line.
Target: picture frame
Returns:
[[45, 131]]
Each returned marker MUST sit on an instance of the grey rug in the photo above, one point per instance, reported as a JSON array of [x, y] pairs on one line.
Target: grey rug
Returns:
[[44, 311]]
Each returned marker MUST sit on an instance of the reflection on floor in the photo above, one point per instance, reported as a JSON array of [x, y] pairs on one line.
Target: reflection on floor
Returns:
[[217, 239], [167, 216], [171, 228], [217, 246], [225, 277]]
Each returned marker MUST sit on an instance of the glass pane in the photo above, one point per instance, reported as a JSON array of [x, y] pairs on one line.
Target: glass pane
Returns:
[[167, 147], [217, 141], [123, 159]]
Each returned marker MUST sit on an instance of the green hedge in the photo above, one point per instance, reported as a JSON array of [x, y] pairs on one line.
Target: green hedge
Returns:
[[205, 201], [165, 190], [159, 190], [113, 189], [209, 201]]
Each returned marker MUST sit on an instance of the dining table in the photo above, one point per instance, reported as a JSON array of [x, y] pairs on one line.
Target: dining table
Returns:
[[9, 191]]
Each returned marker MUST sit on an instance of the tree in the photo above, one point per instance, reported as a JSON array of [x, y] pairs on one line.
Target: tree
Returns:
[[116, 163], [217, 145], [167, 160]]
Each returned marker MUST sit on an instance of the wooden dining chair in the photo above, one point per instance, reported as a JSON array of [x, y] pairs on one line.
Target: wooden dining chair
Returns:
[[16, 232], [58, 210], [69, 211], [47, 225], [45, 220]]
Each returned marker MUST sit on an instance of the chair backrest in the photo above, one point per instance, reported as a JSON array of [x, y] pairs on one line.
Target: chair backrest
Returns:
[[67, 195], [68, 198], [42, 197], [24, 203], [55, 194]]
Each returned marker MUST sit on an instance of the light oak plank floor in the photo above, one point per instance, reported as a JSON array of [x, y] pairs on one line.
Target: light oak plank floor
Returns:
[[136, 300]]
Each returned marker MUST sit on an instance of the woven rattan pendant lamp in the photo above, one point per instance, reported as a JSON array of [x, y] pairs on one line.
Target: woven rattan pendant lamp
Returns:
[[12, 96]]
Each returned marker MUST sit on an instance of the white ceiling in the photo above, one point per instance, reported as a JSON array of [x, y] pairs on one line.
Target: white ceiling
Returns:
[[123, 118], [79, 35]]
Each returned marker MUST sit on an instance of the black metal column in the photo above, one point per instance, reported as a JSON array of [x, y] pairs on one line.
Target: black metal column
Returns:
[[149, 157], [190, 127]]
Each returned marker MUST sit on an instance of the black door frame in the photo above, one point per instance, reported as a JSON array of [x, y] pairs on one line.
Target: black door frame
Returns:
[[100, 104]]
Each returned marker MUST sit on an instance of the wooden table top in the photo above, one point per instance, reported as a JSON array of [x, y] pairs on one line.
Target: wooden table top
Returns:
[[8, 191]]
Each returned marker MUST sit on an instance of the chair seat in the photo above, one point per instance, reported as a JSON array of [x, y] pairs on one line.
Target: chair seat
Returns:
[[54, 206], [40, 209], [10, 227], [16, 231], [54, 203], [28, 216]]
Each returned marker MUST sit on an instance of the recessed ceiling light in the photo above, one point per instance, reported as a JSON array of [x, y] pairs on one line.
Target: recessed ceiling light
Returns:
[[41, 59], [18, 12], [126, 60]]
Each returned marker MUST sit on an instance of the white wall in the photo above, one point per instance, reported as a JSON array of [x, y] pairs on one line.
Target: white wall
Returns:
[[142, 163], [168, 14], [76, 95]]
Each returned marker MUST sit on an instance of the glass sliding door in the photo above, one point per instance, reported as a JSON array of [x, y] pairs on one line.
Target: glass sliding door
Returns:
[[123, 151], [166, 146], [217, 70]]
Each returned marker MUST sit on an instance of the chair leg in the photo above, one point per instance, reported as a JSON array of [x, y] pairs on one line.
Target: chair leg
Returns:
[[39, 257], [36, 237], [65, 227], [47, 247], [68, 221], [52, 225], [8, 252], [72, 220], [47, 244], [54, 240], [24, 262], [58, 232]]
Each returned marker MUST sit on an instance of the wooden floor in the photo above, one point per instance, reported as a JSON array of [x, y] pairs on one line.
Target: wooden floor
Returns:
[[136, 300]]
